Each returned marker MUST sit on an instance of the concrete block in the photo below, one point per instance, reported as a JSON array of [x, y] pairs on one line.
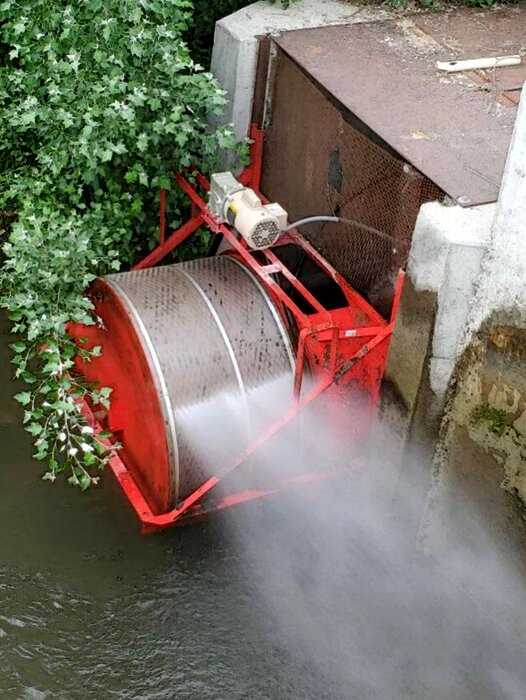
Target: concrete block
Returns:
[[455, 296], [438, 228], [234, 58], [444, 263], [440, 371], [410, 344], [449, 243]]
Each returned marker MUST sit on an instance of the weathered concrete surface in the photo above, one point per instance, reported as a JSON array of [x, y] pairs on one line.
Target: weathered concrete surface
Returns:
[[410, 348], [446, 256], [409, 421], [480, 463], [444, 263], [472, 264], [235, 53], [486, 411], [502, 287]]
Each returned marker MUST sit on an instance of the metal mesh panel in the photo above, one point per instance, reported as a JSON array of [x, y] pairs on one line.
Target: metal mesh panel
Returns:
[[216, 342], [370, 185]]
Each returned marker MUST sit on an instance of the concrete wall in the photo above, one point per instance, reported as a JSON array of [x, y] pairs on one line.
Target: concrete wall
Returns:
[[235, 54], [446, 255], [456, 391], [490, 396], [445, 261], [502, 287], [479, 466], [473, 263]]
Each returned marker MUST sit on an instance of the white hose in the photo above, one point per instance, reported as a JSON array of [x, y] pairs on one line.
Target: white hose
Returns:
[[339, 220], [312, 220]]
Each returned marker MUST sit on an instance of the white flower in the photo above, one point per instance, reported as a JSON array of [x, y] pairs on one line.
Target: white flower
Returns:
[[87, 430], [62, 437], [85, 447], [72, 451]]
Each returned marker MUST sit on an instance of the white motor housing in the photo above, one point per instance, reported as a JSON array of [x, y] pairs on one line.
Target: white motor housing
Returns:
[[259, 224]]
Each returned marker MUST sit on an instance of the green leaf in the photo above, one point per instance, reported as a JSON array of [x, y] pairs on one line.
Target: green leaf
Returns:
[[19, 27], [89, 459], [24, 397], [164, 182], [84, 482]]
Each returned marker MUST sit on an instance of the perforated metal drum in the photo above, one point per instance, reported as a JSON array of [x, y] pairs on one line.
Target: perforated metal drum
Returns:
[[200, 362]]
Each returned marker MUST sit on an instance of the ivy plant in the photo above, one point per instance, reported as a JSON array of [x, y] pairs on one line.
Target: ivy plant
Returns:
[[100, 101]]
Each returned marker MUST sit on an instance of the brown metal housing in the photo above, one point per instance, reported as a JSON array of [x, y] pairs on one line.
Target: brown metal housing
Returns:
[[359, 122]]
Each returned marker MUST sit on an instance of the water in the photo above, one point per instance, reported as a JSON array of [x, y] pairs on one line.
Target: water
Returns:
[[89, 608], [301, 598]]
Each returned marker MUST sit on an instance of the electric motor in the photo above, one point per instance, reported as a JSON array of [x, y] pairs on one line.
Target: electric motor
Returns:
[[259, 224]]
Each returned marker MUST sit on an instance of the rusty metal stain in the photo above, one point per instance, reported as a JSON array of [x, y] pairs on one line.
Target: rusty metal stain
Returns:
[[455, 129]]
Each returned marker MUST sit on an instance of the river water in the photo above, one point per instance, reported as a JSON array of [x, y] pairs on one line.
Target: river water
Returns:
[[270, 602], [90, 609]]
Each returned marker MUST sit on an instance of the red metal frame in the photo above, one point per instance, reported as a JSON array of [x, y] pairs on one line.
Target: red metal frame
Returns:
[[342, 347]]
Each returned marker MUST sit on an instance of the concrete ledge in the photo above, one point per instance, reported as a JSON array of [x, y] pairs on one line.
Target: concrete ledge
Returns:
[[448, 246], [437, 229]]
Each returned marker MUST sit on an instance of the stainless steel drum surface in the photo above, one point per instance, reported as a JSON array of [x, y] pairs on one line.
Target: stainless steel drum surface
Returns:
[[220, 355]]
